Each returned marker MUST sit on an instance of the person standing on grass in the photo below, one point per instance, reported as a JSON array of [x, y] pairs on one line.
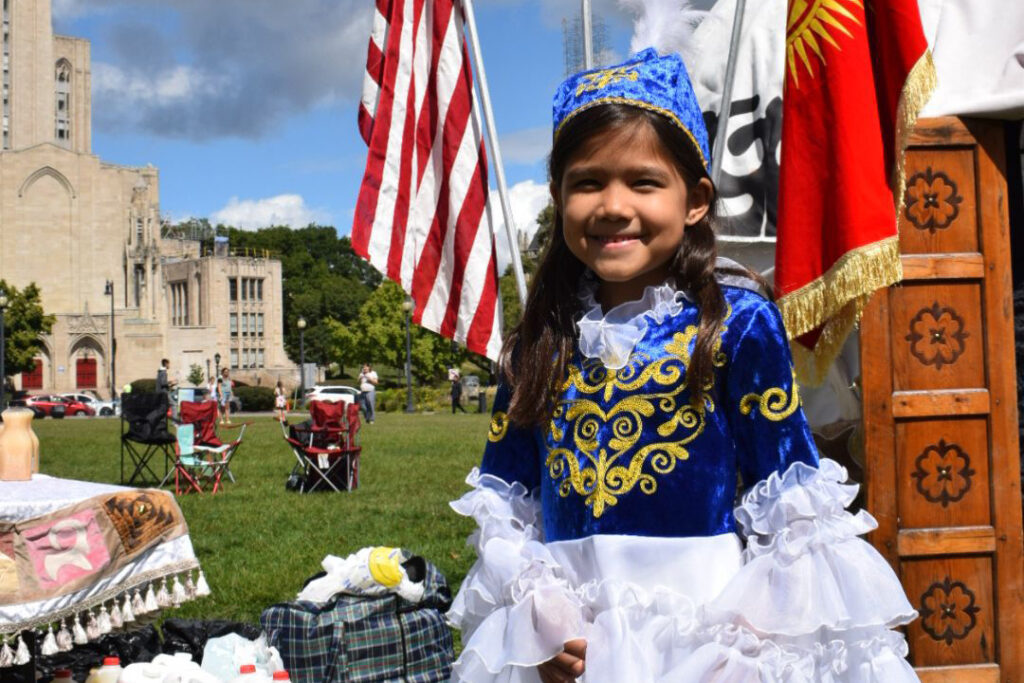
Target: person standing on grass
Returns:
[[163, 384], [368, 391], [280, 402], [456, 382], [645, 384], [225, 396]]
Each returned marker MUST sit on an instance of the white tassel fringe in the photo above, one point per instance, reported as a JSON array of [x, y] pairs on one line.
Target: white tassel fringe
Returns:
[[49, 645]]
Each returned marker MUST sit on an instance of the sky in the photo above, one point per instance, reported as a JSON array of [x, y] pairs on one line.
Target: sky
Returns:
[[248, 107]]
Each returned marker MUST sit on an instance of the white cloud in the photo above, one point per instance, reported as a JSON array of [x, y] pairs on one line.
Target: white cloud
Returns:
[[527, 199], [166, 87], [173, 70], [526, 146], [284, 209]]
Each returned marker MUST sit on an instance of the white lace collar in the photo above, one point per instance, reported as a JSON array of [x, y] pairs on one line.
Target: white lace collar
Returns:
[[611, 337]]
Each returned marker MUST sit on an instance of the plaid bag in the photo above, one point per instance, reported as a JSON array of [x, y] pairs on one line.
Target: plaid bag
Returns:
[[364, 639]]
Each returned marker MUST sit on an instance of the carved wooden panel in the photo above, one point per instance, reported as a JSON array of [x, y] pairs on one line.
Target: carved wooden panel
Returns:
[[943, 473], [940, 418], [954, 599], [937, 336], [939, 210]]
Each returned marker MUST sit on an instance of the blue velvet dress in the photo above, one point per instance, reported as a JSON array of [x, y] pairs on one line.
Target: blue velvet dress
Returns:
[[618, 522]]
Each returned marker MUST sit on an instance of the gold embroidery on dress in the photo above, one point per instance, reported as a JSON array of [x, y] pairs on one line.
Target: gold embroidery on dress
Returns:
[[498, 428], [776, 403], [611, 465], [602, 78]]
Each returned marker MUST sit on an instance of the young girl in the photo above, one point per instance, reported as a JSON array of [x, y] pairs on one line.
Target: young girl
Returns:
[[280, 402], [640, 389], [225, 396]]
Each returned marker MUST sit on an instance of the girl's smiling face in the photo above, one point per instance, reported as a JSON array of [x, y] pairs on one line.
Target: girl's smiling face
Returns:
[[624, 207]]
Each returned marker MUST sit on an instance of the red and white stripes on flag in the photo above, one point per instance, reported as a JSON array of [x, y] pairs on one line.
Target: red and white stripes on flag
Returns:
[[422, 216]]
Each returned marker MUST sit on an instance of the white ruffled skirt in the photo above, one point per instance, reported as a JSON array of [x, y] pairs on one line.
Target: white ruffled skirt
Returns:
[[806, 601]]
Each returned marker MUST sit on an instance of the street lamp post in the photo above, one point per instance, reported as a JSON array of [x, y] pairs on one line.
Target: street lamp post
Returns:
[[3, 350], [301, 324], [216, 366], [108, 290], [407, 307]]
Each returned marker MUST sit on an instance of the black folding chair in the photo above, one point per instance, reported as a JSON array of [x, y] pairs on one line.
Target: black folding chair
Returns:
[[145, 416]]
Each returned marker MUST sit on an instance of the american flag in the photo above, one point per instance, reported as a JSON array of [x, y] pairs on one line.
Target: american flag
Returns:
[[422, 217]]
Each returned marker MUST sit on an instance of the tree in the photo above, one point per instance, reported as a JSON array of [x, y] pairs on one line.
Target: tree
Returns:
[[25, 323], [195, 374], [377, 335]]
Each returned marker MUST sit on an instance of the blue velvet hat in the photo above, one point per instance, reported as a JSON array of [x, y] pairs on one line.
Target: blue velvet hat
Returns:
[[645, 80]]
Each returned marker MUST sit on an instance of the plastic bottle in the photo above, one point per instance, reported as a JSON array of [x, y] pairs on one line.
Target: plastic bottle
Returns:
[[247, 674], [110, 672], [62, 676]]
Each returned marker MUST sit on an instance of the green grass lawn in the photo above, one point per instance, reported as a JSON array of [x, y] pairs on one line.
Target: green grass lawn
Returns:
[[258, 542]]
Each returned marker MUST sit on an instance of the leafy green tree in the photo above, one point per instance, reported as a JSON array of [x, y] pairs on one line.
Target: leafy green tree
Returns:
[[25, 323], [195, 374], [378, 336]]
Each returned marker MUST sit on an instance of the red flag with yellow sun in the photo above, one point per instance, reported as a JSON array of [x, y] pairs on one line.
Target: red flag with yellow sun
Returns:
[[857, 74]]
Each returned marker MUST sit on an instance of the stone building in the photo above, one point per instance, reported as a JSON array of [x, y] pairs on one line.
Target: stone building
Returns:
[[88, 233]]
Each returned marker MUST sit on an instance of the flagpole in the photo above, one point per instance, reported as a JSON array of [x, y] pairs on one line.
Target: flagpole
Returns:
[[492, 137], [588, 36], [730, 74]]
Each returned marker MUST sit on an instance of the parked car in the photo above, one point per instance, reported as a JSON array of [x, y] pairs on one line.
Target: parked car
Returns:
[[332, 393], [47, 405], [99, 406]]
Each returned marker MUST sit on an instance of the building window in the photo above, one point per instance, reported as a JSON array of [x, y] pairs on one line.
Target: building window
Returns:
[[179, 304], [245, 325], [233, 288], [139, 230], [259, 358], [252, 289], [252, 324], [234, 324], [234, 359], [259, 324], [139, 282], [259, 289]]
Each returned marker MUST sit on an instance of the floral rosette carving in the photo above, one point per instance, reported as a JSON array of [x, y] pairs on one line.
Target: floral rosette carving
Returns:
[[932, 202], [943, 473], [937, 336], [948, 611]]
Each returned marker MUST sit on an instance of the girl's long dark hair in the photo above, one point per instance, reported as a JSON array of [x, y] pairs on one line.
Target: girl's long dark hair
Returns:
[[536, 353]]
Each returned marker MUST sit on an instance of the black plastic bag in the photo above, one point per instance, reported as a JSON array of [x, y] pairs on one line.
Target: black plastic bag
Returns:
[[189, 635]]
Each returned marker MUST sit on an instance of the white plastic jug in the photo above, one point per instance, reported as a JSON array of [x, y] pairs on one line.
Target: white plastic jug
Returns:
[[110, 672], [143, 672]]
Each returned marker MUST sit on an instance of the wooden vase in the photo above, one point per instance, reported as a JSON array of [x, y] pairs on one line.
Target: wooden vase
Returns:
[[19, 449]]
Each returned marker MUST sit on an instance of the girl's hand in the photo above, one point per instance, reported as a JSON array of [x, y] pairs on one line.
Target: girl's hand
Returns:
[[567, 666]]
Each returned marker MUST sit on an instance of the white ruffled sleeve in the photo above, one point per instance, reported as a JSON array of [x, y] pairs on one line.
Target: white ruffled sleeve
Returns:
[[812, 592], [515, 607]]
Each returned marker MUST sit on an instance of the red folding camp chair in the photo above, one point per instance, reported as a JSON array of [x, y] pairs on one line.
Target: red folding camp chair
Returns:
[[328, 421], [208, 445], [324, 450]]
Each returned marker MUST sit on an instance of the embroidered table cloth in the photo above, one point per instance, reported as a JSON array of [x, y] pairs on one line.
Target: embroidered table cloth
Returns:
[[78, 559]]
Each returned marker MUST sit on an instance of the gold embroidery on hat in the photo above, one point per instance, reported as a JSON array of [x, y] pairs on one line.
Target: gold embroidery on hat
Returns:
[[596, 80]]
